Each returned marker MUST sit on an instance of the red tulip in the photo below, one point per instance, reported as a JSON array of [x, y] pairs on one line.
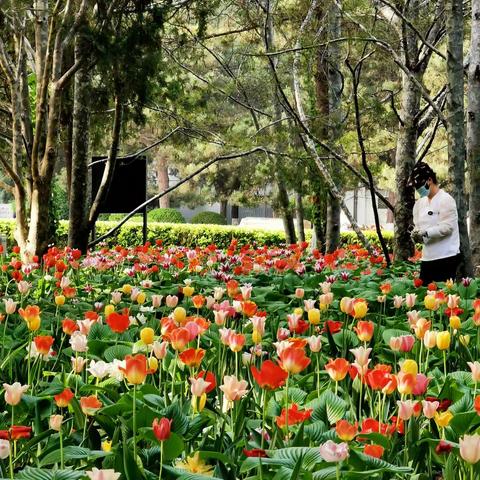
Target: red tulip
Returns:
[[192, 357], [118, 322], [294, 416], [293, 360], [63, 399], [270, 375], [373, 450], [162, 429]]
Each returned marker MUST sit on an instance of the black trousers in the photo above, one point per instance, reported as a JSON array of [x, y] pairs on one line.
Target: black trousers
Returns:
[[439, 270]]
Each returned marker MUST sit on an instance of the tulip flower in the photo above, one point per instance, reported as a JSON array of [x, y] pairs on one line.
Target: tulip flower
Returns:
[[180, 338], [430, 408], [69, 326], [455, 322], [10, 306], [294, 416], [171, 301], [314, 316], [470, 448], [364, 330], [346, 431], [104, 474], [162, 428], [31, 315], [421, 327], [430, 339], [421, 384], [409, 366], [180, 315], [98, 369], [397, 301], [410, 300], [63, 399], [233, 389], [192, 357], [293, 360], [147, 335], [405, 409], [79, 342], [55, 422], [14, 393], [315, 343], [118, 322], [4, 449], [270, 376], [334, 452], [375, 451], [337, 369], [360, 309], [236, 342], [476, 404], [136, 369], [405, 383], [430, 302], [442, 419], [346, 305], [77, 364], [90, 405], [160, 349]]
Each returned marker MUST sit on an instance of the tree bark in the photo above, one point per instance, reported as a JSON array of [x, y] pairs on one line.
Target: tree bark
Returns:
[[473, 133], [455, 126], [78, 230], [163, 180], [223, 208], [332, 236], [300, 215]]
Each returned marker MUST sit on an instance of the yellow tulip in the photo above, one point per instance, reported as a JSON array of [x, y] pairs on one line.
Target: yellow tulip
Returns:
[[127, 289], [442, 419], [256, 337], [33, 323], [59, 300], [455, 322], [410, 366], [152, 364], [146, 335], [298, 311], [188, 291], [360, 309], [198, 403], [109, 309], [106, 446], [464, 340], [179, 315], [314, 316], [141, 297], [430, 302], [443, 340]]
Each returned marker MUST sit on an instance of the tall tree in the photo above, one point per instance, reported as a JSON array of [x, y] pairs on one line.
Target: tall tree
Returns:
[[473, 132]]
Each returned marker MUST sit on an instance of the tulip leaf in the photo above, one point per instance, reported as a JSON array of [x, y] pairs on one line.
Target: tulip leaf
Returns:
[[116, 352], [72, 452]]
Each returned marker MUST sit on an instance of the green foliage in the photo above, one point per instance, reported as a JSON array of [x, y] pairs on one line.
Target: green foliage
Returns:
[[165, 215], [200, 235], [212, 218]]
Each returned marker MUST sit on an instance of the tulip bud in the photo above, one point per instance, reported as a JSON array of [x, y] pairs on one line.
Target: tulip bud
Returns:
[[179, 315], [314, 316], [59, 300], [141, 297], [56, 422], [299, 293], [162, 429], [127, 289], [455, 322], [152, 364], [147, 335], [109, 309], [188, 290], [443, 340]]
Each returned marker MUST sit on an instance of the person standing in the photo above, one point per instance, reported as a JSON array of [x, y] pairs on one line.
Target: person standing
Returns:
[[435, 219]]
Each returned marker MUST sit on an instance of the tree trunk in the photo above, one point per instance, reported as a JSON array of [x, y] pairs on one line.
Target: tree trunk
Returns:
[[473, 133], [300, 216], [223, 208], [455, 126], [282, 193], [79, 192], [163, 180], [335, 85], [332, 239], [234, 212]]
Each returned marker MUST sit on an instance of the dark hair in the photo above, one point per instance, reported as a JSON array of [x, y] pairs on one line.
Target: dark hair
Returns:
[[420, 174]]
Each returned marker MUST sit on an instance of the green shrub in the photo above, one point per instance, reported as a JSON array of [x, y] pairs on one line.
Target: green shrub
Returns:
[[210, 218], [130, 234], [165, 215], [116, 217]]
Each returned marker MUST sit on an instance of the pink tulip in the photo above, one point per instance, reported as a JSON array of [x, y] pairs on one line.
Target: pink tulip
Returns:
[[475, 368], [156, 300], [220, 316], [225, 334], [14, 392], [326, 298], [283, 334], [4, 449], [199, 386], [405, 409], [326, 287], [85, 326], [258, 324], [10, 306], [361, 355], [309, 304], [193, 329], [299, 293], [116, 297], [78, 363], [293, 320], [395, 343], [430, 339], [103, 474], [233, 388], [421, 384], [23, 287], [55, 422], [246, 291], [413, 317], [470, 448], [453, 301], [210, 303], [334, 452], [410, 300], [407, 342], [160, 349], [397, 301], [315, 343], [171, 301], [429, 408]]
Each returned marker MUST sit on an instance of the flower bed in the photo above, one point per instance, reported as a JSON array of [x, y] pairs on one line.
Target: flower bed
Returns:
[[269, 363]]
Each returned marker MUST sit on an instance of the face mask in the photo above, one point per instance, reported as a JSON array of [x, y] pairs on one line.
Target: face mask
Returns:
[[423, 191]]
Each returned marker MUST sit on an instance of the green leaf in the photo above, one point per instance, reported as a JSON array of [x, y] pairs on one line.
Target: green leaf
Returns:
[[116, 352], [31, 473], [72, 453]]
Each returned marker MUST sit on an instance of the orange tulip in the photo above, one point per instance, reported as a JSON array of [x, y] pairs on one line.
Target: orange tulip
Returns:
[[293, 360], [63, 399], [364, 330], [135, 369], [249, 308], [198, 301], [192, 357], [346, 431], [90, 405], [43, 343], [337, 369], [180, 338], [405, 383]]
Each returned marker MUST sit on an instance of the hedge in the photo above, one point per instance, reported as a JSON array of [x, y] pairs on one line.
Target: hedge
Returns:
[[165, 215], [130, 234], [209, 218]]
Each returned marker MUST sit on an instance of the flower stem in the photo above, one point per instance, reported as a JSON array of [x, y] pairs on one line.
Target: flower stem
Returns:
[[161, 461], [62, 466], [134, 418], [286, 407], [338, 471]]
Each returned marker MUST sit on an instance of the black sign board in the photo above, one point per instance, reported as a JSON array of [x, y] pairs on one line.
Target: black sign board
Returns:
[[128, 189]]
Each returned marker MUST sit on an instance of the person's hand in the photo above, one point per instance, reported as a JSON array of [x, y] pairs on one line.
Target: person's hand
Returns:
[[418, 236]]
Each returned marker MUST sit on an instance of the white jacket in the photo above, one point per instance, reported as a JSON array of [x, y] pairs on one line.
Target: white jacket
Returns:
[[439, 218]]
